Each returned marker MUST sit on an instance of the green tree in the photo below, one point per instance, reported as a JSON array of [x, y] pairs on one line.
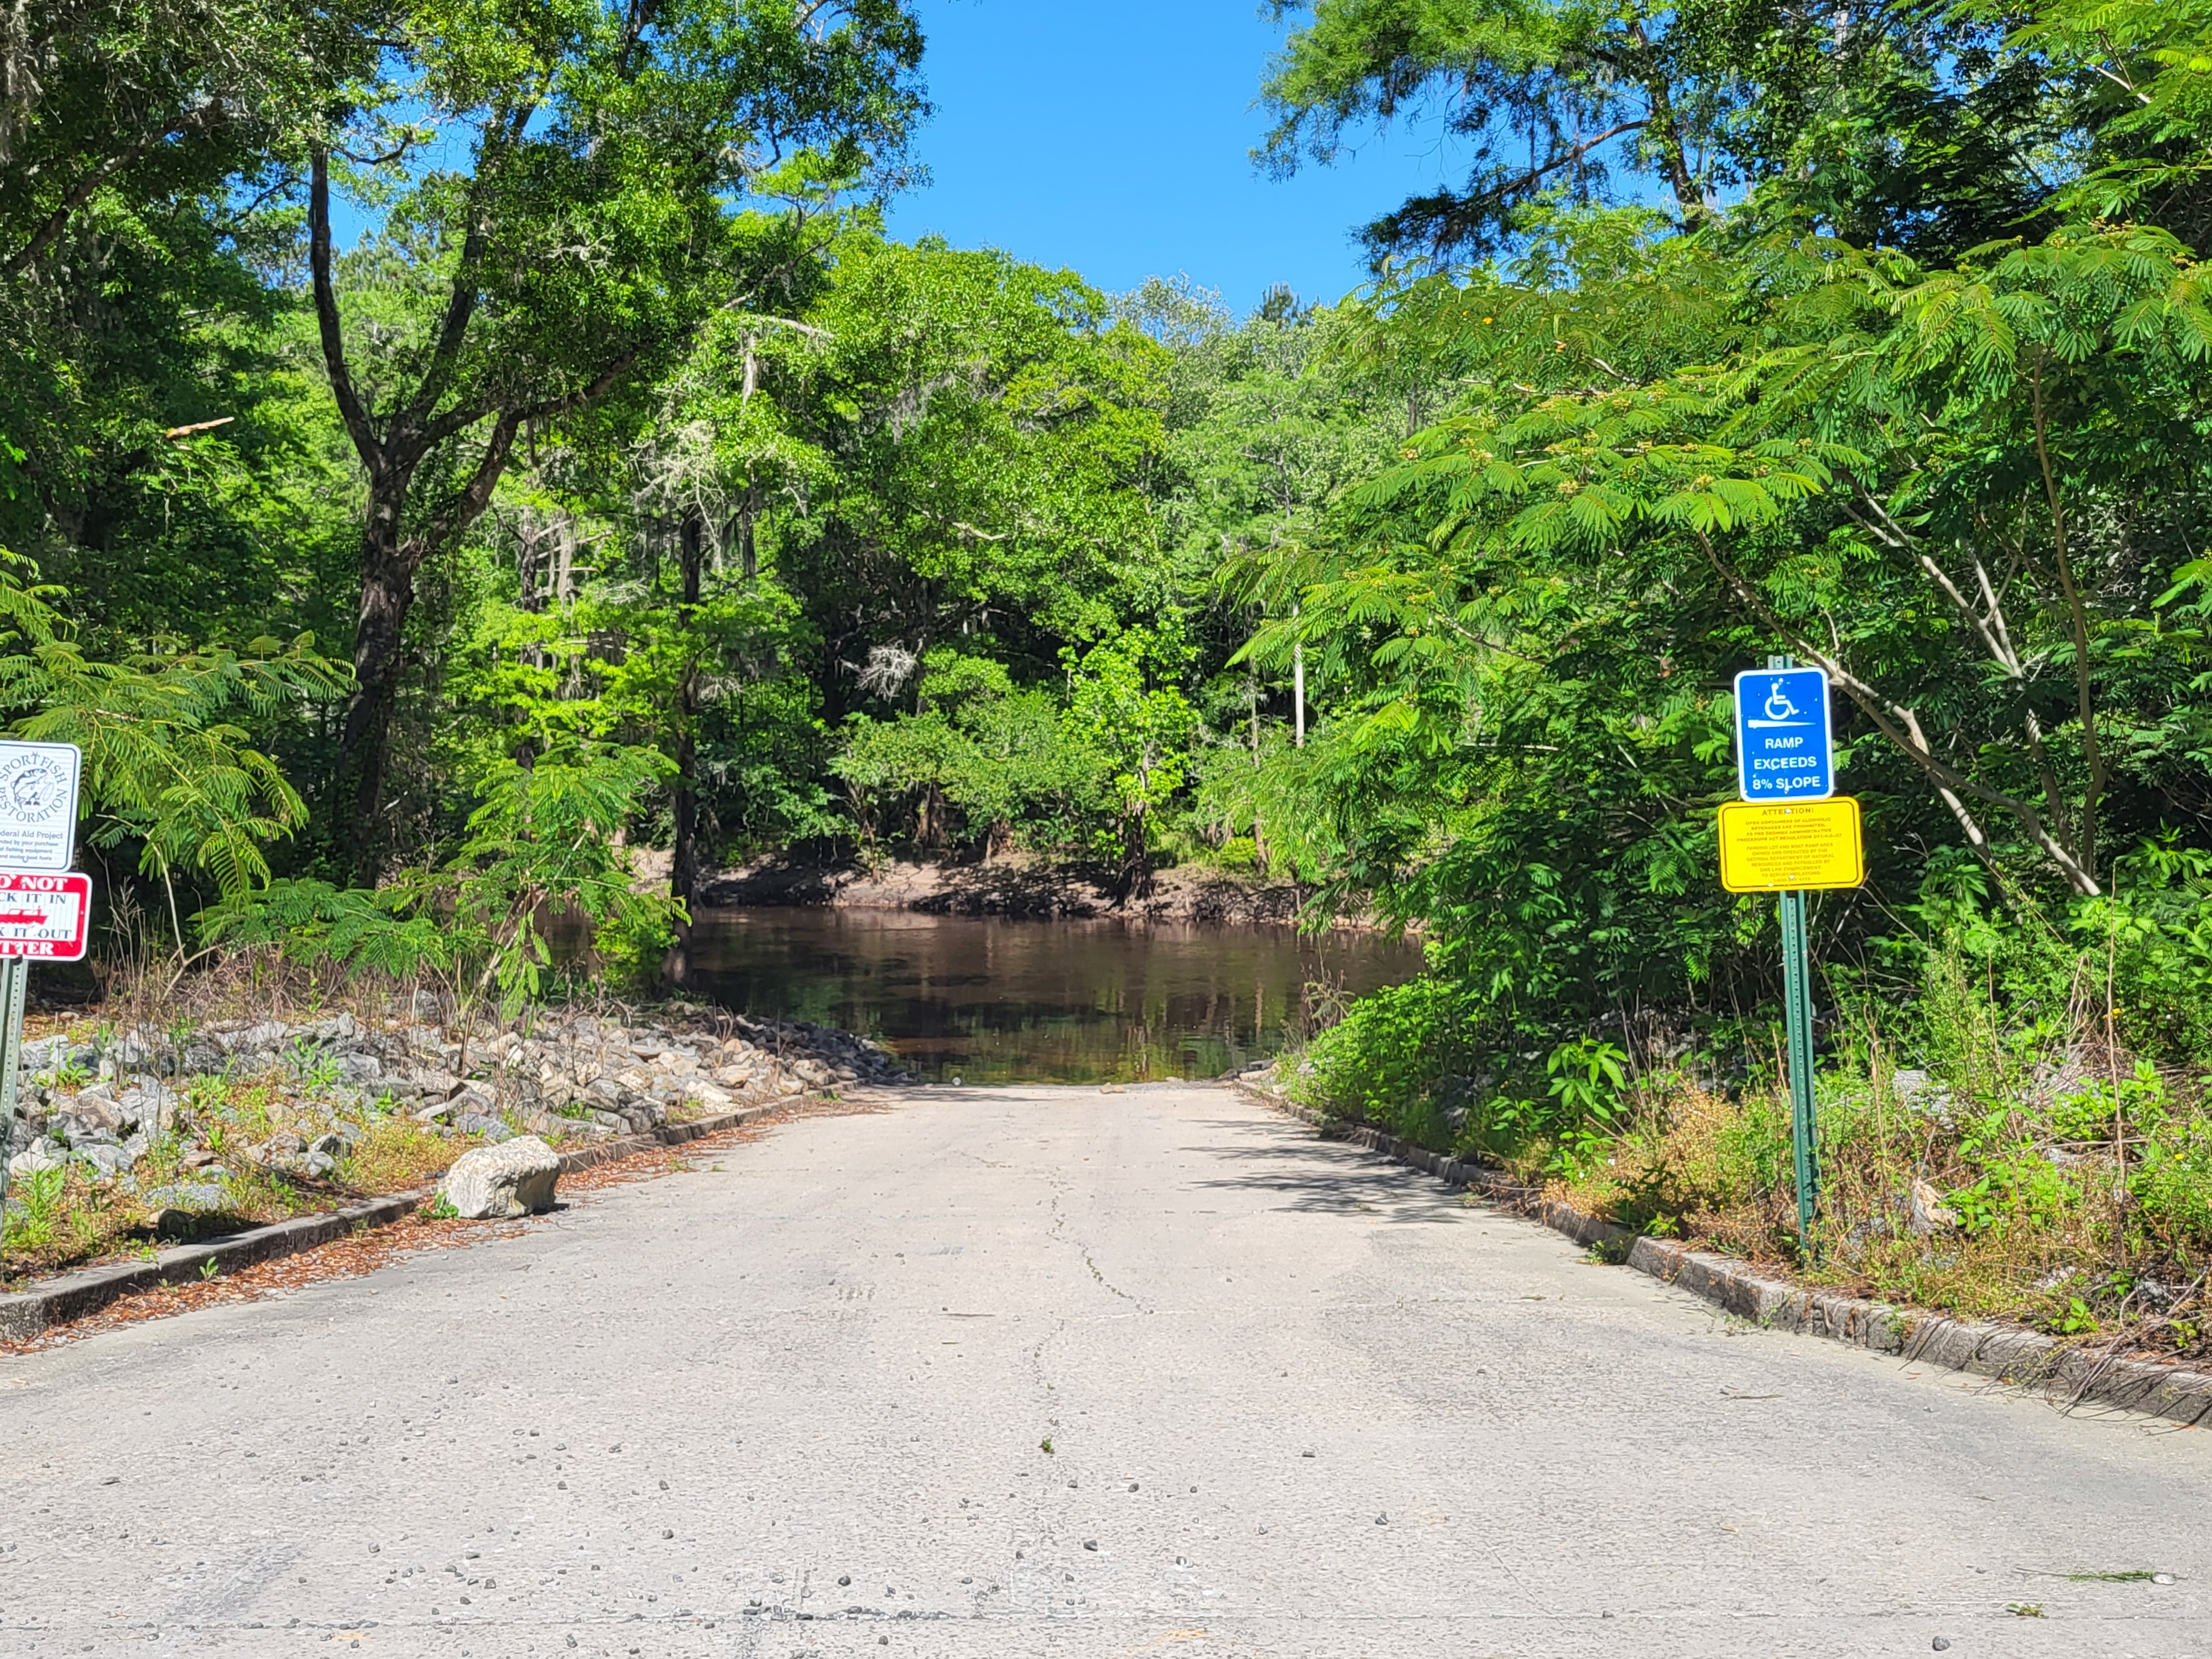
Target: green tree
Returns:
[[998, 755], [168, 766], [563, 196], [986, 429], [1913, 126], [1126, 702]]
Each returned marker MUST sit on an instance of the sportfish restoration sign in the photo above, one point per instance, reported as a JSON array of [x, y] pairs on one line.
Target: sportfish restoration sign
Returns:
[[37, 804]]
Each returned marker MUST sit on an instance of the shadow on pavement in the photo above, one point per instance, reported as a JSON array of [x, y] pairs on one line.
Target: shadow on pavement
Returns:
[[1326, 1175]]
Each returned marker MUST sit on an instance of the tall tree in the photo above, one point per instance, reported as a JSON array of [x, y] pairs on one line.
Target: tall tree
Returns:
[[154, 461], [584, 192], [1902, 123]]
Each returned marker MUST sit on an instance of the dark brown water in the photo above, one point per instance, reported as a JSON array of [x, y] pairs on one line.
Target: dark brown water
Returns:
[[994, 1000]]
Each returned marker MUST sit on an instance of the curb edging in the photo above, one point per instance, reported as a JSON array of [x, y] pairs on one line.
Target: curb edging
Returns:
[[27, 1314], [2066, 1374]]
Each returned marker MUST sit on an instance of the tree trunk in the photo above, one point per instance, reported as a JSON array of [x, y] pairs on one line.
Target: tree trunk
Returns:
[[1136, 859], [683, 862], [387, 593], [1666, 131]]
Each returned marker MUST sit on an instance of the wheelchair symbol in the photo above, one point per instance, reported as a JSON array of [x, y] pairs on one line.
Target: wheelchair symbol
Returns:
[[1778, 709]]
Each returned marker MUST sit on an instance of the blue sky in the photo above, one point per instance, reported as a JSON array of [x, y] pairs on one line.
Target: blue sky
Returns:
[[1113, 138]]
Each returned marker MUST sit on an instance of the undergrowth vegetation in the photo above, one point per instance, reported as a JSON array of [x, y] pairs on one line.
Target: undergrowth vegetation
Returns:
[[220, 1149], [2012, 1122]]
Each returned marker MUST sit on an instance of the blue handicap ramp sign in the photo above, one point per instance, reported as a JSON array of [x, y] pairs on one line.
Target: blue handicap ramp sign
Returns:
[[1782, 744]]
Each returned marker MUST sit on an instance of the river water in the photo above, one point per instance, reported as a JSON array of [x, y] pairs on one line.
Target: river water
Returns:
[[989, 999]]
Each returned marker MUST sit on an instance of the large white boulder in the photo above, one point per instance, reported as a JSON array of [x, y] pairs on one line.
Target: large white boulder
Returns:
[[515, 1177]]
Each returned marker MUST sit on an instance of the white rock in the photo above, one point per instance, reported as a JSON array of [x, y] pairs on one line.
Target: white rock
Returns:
[[515, 1177], [266, 1035], [38, 1155]]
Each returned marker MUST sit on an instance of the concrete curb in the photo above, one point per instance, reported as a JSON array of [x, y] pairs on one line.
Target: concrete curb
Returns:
[[27, 1313], [2067, 1374], [669, 1134]]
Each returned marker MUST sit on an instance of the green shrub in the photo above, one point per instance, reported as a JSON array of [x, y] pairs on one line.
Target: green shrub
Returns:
[[35, 1208], [1392, 1060]]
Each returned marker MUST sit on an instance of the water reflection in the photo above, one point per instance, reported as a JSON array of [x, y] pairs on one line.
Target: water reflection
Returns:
[[988, 1000]]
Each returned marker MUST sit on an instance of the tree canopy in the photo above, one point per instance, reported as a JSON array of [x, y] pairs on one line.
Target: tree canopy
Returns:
[[407, 397]]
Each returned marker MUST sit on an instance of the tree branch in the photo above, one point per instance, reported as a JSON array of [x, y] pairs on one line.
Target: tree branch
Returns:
[[467, 505], [594, 389], [2084, 693], [1989, 622], [2117, 74], [1686, 195], [456, 421], [327, 314], [461, 305], [86, 188]]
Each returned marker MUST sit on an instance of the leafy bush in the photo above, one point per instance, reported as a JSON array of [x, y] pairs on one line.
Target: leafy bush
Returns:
[[1389, 1062], [541, 844], [1238, 853], [34, 1204]]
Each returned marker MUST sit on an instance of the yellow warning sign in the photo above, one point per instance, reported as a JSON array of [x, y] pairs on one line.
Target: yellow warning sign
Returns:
[[1776, 847]]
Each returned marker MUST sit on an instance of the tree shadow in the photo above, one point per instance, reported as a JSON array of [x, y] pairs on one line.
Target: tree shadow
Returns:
[[1328, 1176]]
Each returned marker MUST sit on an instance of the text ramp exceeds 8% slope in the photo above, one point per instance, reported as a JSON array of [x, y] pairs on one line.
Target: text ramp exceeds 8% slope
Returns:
[[1783, 747]]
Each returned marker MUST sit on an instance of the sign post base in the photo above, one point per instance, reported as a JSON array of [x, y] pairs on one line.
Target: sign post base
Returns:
[[1797, 1019], [14, 980]]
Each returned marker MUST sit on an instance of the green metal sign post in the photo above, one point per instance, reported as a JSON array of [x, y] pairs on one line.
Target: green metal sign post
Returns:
[[14, 978], [1797, 1018], [45, 909], [1797, 1022]]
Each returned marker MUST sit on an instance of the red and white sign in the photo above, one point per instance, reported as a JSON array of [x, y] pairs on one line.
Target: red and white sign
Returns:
[[43, 915]]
